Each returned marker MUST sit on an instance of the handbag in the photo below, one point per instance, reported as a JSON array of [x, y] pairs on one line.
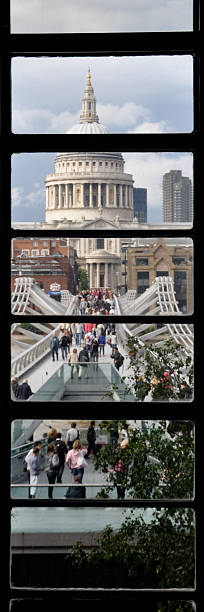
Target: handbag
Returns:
[[81, 462]]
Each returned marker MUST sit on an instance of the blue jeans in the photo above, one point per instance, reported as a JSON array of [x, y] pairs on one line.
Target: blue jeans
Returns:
[[64, 352], [78, 338], [78, 472]]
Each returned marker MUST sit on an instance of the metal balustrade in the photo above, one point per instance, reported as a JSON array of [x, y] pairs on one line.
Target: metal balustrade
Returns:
[[159, 298]]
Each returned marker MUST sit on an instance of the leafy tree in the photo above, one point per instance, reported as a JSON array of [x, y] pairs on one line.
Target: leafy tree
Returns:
[[148, 555], [166, 372], [158, 461], [81, 277], [83, 280]]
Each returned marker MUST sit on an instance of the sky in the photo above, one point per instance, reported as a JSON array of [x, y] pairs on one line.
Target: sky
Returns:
[[134, 95], [103, 16]]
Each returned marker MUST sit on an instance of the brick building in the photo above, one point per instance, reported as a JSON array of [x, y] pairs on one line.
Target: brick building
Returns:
[[46, 260]]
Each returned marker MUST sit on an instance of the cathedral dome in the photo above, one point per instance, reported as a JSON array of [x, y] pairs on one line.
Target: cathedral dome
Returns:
[[88, 128]]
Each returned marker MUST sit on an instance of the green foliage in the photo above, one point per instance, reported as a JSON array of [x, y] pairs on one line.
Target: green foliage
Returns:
[[146, 371], [80, 274], [150, 555], [161, 553], [175, 606], [171, 476], [83, 280]]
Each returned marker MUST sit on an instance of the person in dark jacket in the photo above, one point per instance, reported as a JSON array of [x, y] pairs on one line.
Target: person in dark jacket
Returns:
[[83, 361], [118, 358], [61, 450], [91, 437], [54, 345], [74, 491], [15, 387], [94, 352], [24, 391], [64, 345]]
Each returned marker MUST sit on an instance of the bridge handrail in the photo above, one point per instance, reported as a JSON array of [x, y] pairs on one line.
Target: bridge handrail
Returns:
[[23, 362]]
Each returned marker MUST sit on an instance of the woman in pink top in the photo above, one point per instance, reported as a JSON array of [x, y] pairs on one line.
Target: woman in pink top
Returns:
[[75, 457]]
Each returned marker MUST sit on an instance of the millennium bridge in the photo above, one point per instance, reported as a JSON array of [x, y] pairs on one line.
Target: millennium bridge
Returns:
[[31, 348]]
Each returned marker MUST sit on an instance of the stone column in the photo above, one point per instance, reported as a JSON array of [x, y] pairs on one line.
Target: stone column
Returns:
[[98, 275], [121, 196], [54, 196], [126, 195], [99, 195], [74, 195], [47, 197], [106, 275], [90, 195], [82, 194], [115, 196], [107, 194], [91, 275], [59, 196], [66, 196]]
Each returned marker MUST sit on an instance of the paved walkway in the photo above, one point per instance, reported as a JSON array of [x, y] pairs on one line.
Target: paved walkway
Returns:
[[91, 477], [46, 368]]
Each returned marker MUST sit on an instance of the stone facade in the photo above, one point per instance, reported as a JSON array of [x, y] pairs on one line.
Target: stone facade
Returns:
[[161, 259]]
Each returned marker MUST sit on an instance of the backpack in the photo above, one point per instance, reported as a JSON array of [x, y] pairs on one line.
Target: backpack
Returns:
[[54, 461], [60, 450]]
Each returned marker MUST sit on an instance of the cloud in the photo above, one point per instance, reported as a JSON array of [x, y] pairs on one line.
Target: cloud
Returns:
[[148, 170], [127, 118], [22, 200], [151, 127], [91, 16], [42, 121]]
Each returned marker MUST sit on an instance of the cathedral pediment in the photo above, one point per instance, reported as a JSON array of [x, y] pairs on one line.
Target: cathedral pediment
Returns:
[[100, 224]]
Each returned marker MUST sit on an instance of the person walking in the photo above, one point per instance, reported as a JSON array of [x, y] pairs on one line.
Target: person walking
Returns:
[[94, 352], [72, 435], [120, 469], [24, 391], [73, 361], [15, 387], [118, 358], [61, 450], [91, 437], [83, 361], [64, 345], [52, 434], [113, 340], [88, 341], [79, 332], [54, 346], [34, 469], [75, 459], [37, 444], [52, 464], [101, 342]]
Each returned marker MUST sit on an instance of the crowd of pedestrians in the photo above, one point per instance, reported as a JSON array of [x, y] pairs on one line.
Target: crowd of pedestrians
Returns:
[[60, 453], [73, 455], [95, 302], [81, 343]]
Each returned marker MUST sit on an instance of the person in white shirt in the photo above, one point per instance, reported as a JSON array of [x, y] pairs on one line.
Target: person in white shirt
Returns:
[[38, 445], [72, 435]]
